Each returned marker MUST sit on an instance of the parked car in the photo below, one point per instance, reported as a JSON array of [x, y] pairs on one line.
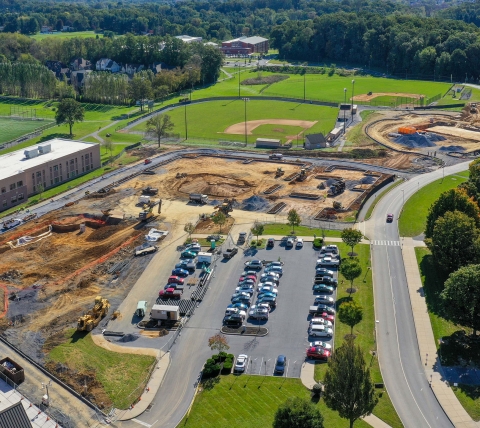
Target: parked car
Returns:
[[320, 331], [180, 272], [267, 289], [327, 280], [259, 313], [190, 266], [272, 301], [175, 280], [321, 308], [329, 249], [241, 363], [266, 294], [241, 299], [240, 306], [246, 282], [324, 272], [270, 242], [389, 218], [323, 288], [299, 243], [320, 321], [250, 273], [274, 269], [192, 247], [275, 264], [328, 261], [318, 353], [240, 293], [325, 300], [254, 264], [248, 290], [188, 254], [289, 243], [231, 311], [328, 317], [245, 277], [270, 274], [280, 364], [321, 344], [234, 320]]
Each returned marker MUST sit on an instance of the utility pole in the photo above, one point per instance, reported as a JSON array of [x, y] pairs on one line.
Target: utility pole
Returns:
[[353, 93], [186, 128], [238, 63], [344, 104]]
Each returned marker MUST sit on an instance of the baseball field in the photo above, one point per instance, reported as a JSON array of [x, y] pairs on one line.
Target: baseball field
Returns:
[[225, 120]]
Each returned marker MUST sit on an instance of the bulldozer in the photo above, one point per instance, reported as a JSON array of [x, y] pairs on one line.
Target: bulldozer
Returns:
[[279, 172], [91, 319], [226, 207], [149, 191]]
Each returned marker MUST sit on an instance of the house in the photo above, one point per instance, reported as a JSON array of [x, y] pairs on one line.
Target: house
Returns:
[[80, 64], [245, 46], [67, 28], [56, 67], [156, 67], [131, 69], [78, 78], [106, 64], [315, 141], [189, 39], [46, 29]]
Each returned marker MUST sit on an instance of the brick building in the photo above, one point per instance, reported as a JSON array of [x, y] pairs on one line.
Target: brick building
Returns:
[[47, 164], [245, 46]]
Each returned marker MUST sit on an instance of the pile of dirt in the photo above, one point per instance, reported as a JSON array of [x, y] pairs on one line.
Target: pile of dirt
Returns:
[[254, 203], [452, 148], [215, 185], [128, 338], [369, 179], [103, 233], [419, 140]]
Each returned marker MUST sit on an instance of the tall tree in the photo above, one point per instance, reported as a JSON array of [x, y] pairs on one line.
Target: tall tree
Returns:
[[293, 218], [219, 218], [140, 89], [257, 229], [455, 241], [451, 200], [218, 342], [351, 237], [350, 313], [348, 386], [297, 413], [159, 126], [461, 297], [189, 228], [351, 270], [69, 111]]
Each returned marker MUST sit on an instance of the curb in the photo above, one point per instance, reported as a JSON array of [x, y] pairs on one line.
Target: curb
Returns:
[[245, 334]]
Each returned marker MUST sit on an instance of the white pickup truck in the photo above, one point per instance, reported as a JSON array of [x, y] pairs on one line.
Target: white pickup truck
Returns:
[[328, 261]]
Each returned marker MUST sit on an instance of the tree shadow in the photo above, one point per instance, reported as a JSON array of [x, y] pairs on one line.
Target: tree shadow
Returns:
[[210, 383], [51, 136], [433, 286], [460, 349], [343, 300], [471, 391]]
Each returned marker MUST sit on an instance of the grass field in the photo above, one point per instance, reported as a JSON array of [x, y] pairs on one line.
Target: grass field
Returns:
[[119, 374], [11, 129], [250, 402], [209, 120], [65, 35], [414, 215], [364, 331], [284, 229]]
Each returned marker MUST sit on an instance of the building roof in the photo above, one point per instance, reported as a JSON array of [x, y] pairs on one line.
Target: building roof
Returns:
[[251, 40], [187, 39], [14, 162], [315, 138], [14, 416]]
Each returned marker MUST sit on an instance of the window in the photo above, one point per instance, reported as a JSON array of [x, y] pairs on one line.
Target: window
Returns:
[[88, 167], [12, 186], [19, 183], [55, 168], [14, 199], [56, 180], [4, 190], [4, 204], [20, 196]]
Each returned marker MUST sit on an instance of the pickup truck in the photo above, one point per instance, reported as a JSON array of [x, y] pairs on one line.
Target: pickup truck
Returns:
[[170, 293], [179, 287], [229, 253], [145, 249]]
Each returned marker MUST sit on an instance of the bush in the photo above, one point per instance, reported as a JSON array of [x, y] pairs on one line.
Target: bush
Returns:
[[227, 367], [317, 388], [223, 355], [216, 358], [210, 362], [253, 243], [230, 356], [317, 242], [228, 360]]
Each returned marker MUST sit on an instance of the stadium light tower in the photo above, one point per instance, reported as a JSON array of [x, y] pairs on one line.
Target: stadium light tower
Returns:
[[344, 103]]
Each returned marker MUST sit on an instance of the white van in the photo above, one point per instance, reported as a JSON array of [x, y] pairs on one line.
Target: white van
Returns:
[[320, 331]]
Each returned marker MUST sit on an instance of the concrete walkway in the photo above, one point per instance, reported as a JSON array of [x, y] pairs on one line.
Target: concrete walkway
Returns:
[[307, 377], [426, 342]]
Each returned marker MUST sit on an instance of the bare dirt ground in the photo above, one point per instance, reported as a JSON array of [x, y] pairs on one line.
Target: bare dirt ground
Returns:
[[456, 132], [239, 128], [366, 97]]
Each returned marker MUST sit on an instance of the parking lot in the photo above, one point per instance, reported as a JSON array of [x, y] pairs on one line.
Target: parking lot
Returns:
[[288, 322]]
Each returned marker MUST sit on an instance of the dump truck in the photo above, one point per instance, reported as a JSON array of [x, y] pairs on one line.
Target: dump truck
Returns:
[[170, 293], [198, 198], [276, 156], [91, 319], [229, 253], [150, 191], [12, 370]]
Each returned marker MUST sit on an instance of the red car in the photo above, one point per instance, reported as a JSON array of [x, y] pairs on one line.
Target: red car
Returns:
[[318, 353], [328, 317], [175, 280], [242, 278], [389, 218]]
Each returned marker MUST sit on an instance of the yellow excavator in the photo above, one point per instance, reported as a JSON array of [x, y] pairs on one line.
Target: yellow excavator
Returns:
[[91, 319]]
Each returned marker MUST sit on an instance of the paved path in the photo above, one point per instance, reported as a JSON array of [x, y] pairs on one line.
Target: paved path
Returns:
[[95, 134]]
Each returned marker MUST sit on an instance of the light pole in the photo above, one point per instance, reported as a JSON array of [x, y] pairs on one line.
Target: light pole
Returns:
[[304, 84], [238, 63], [344, 103], [245, 101], [185, 100], [190, 77], [353, 91]]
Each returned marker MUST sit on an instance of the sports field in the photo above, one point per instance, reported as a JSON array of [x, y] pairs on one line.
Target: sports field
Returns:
[[225, 120], [65, 35], [11, 129]]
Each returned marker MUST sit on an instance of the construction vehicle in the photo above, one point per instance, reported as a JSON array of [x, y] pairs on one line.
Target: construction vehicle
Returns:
[[473, 108], [146, 214], [147, 161], [198, 198], [226, 207], [303, 175], [337, 187], [181, 175], [279, 172], [150, 191], [91, 319]]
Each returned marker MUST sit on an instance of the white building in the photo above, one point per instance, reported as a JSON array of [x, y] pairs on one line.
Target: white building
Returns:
[[189, 39], [106, 64]]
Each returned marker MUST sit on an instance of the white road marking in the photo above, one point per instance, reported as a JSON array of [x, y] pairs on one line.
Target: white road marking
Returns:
[[142, 423]]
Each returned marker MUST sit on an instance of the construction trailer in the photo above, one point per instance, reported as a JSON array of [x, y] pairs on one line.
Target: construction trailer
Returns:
[[165, 312], [334, 134], [12, 370]]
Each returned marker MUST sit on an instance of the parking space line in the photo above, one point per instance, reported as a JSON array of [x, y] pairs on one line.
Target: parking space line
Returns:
[[260, 370], [286, 370]]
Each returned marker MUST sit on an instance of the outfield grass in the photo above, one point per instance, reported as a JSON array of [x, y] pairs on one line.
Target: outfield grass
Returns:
[[119, 374], [65, 35], [11, 128], [413, 218], [364, 331], [284, 229], [250, 402], [209, 120]]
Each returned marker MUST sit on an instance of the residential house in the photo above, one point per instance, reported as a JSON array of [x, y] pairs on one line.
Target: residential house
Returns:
[[78, 78], [106, 64], [80, 64], [189, 39], [61, 71], [45, 29]]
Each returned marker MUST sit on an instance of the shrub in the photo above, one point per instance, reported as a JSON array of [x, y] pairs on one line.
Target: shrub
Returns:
[[318, 242], [253, 243], [216, 358], [229, 360], [317, 388], [227, 367], [223, 355], [230, 356], [210, 362]]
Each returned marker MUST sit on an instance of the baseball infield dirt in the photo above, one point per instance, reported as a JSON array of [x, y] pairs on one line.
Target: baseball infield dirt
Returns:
[[365, 97], [239, 128]]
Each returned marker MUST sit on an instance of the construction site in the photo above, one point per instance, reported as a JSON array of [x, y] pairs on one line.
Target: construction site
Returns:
[[456, 134]]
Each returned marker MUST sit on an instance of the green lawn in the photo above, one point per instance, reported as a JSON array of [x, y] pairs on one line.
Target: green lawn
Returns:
[[250, 402], [11, 128], [364, 331], [414, 215], [119, 374], [284, 229], [469, 397], [65, 35], [209, 120]]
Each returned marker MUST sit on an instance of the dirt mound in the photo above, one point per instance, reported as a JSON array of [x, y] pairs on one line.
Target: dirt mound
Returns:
[[452, 148], [417, 140], [254, 203], [215, 185], [104, 233], [369, 179], [128, 338]]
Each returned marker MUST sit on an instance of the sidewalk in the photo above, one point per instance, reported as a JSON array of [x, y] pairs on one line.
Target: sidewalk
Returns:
[[426, 343], [307, 377], [280, 237]]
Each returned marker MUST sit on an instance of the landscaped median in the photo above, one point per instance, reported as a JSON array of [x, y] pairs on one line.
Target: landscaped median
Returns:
[[285, 230]]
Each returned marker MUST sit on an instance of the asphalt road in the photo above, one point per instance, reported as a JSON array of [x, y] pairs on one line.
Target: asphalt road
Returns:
[[399, 357]]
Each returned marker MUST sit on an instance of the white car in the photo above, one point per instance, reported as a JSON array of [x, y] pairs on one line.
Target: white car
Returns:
[[325, 300], [289, 242], [320, 321], [231, 311], [320, 343], [299, 243], [241, 363], [275, 264], [320, 331], [244, 289], [263, 289], [328, 261], [275, 269], [269, 274], [329, 249]]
